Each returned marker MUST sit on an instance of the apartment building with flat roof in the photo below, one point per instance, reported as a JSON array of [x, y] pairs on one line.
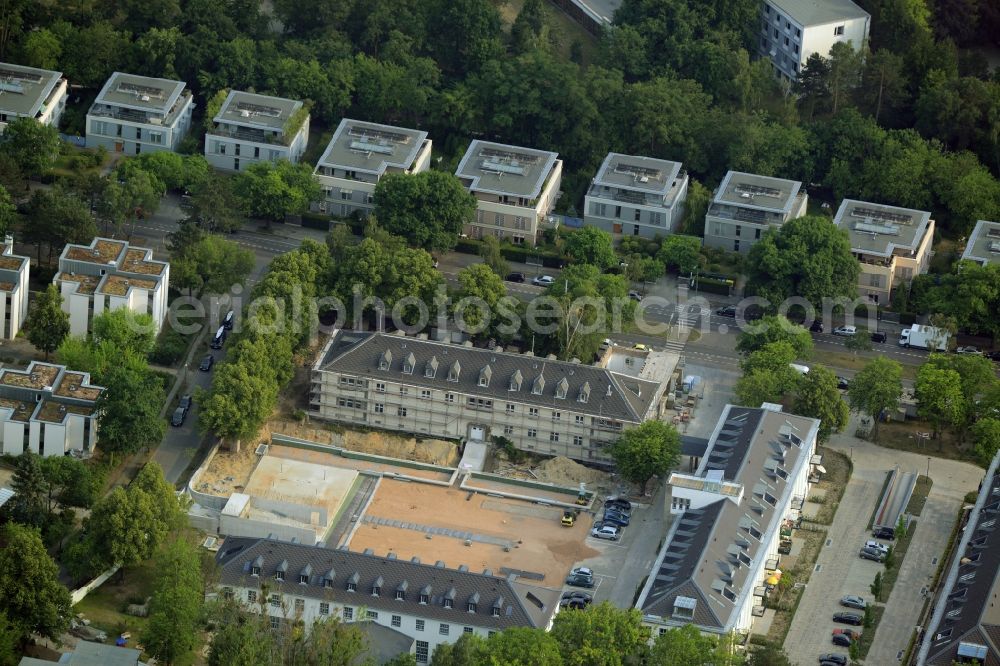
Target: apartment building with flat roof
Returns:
[[251, 128], [110, 274], [14, 290], [745, 205], [983, 246], [892, 244], [358, 156], [636, 196], [793, 30], [139, 114], [47, 409], [29, 92], [515, 189]]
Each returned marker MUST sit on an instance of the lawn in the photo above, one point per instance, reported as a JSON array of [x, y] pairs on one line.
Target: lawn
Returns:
[[902, 436], [846, 360], [868, 634], [838, 473], [105, 606], [919, 497], [563, 31]]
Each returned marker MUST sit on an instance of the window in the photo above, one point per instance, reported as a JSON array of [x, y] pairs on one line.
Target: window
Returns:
[[680, 504], [324, 608], [404, 390], [443, 629], [466, 630], [556, 416], [346, 195], [424, 598], [449, 603], [348, 613], [351, 403], [255, 571], [577, 440], [739, 230], [510, 408], [279, 576], [156, 137], [328, 583], [423, 651], [579, 419], [222, 148], [275, 600], [352, 586], [508, 430], [256, 152], [496, 611], [736, 246], [479, 403], [449, 397], [397, 620], [775, 33], [638, 213], [532, 411], [275, 622], [252, 596], [300, 605], [400, 595], [379, 408], [554, 437], [420, 625], [839, 30], [767, 9], [532, 432], [471, 607], [401, 411], [227, 592], [787, 41], [379, 387], [372, 615], [756, 234], [425, 394]]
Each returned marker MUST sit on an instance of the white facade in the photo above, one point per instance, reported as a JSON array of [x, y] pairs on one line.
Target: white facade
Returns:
[[358, 156], [636, 196], [746, 205], [14, 290], [138, 114], [792, 30], [29, 92], [251, 128], [107, 275]]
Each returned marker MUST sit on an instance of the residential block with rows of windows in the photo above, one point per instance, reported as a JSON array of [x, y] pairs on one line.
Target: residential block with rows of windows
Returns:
[[251, 128], [746, 205], [139, 114], [793, 30]]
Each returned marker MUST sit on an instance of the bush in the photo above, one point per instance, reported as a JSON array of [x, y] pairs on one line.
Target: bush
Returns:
[[170, 347]]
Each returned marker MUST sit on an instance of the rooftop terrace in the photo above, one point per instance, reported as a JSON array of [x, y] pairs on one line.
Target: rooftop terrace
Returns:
[[101, 252], [56, 412], [497, 168], [41, 375], [116, 285]]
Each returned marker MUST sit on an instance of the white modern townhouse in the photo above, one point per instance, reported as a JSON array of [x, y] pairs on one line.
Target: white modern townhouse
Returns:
[[139, 114], [792, 30], [636, 196], [745, 205], [29, 92], [251, 128]]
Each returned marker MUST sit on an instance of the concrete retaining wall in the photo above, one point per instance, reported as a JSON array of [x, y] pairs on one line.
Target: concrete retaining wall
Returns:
[[468, 483], [79, 594], [204, 499]]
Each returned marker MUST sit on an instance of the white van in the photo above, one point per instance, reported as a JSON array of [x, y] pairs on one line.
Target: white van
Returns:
[[801, 369]]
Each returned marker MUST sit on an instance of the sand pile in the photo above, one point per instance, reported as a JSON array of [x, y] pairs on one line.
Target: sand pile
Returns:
[[433, 451], [565, 472]]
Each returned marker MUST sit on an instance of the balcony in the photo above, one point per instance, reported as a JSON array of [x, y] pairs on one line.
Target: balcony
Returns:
[[250, 135], [771, 564]]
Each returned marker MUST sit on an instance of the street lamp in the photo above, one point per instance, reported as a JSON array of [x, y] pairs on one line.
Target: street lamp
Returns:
[[928, 467]]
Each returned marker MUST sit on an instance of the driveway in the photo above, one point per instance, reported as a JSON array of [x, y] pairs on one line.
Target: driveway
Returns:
[[842, 572]]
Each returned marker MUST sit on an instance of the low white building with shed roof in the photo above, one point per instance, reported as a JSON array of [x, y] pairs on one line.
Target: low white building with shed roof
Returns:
[[251, 128], [14, 272], [29, 92]]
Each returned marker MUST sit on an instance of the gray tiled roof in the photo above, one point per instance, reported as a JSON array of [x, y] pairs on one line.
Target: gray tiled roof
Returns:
[[611, 395], [238, 554]]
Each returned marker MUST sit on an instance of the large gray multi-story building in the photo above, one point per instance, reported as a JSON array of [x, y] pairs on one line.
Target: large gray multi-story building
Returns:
[[28, 92], [746, 205], [636, 196], [793, 30], [462, 392], [139, 114], [983, 246], [251, 128]]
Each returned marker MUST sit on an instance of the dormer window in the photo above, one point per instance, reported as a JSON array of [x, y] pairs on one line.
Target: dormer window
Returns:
[[484, 376], [408, 363], [385, 361], [515, 381], [401, 591], [497, 606], [472, 607], [584, 395], [538, 386], [328, 583], [432, 367], [303, 579], [255, 571], [562, 388], [304, 575], [424, 599], [377, 587], [352, 583], [425, 594], [449, 598], [279, 574], [473, 603], [448, 603], [454, 372]]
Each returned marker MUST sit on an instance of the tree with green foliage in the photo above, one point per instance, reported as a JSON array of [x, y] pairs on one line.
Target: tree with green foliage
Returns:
[[216, 207], [643, 269], [939, 396], [32, 145], [860, 341], [876, 389], [238, 403], [687, 645], [47, 323], [767, 374], [272, 190], [601, 634], [518, 646], [212, 264], [651, 449], [492, 255], [980, 386], [428, 209], [484, 289], [818, 397], [176, 605], [587, 302], [31, 596], [69, 482], [29, 504], [768, 654], [132, 195], [591, 245], [8, 212], [129, 409], [695, 207], [774, 328], [876, 586], [986, 437], [680, 253], [56, 217], [125, 331], [806, 257], [528, 27]]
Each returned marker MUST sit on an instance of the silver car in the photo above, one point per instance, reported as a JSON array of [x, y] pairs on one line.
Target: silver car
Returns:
[[609, 532]]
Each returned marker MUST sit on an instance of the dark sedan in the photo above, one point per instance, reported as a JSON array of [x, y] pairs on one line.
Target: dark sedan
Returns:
[[206, 363], [849, 618]]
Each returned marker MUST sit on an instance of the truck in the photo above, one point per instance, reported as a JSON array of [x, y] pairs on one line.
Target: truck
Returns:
[[924, 337]]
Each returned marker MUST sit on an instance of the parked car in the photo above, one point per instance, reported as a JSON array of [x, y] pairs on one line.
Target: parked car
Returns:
[[584, 571], [968, 350], [206, 363], [843, 383], [853, 634], [816, 327], [728, 311], [846, 331], [878, 337], [515, 277], [871, 543], [842, 640], [785, 547], [833, 658], [853, 601], [543, 280], [578, 594], [572, 603], [831, 663], [604, 531], [580, 580], [185, 403], [178, 418], [883, 532], [848, 618], [993, 355], [619, 503], [635, 296], [873, 554], [568, 518], [616, 518]]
